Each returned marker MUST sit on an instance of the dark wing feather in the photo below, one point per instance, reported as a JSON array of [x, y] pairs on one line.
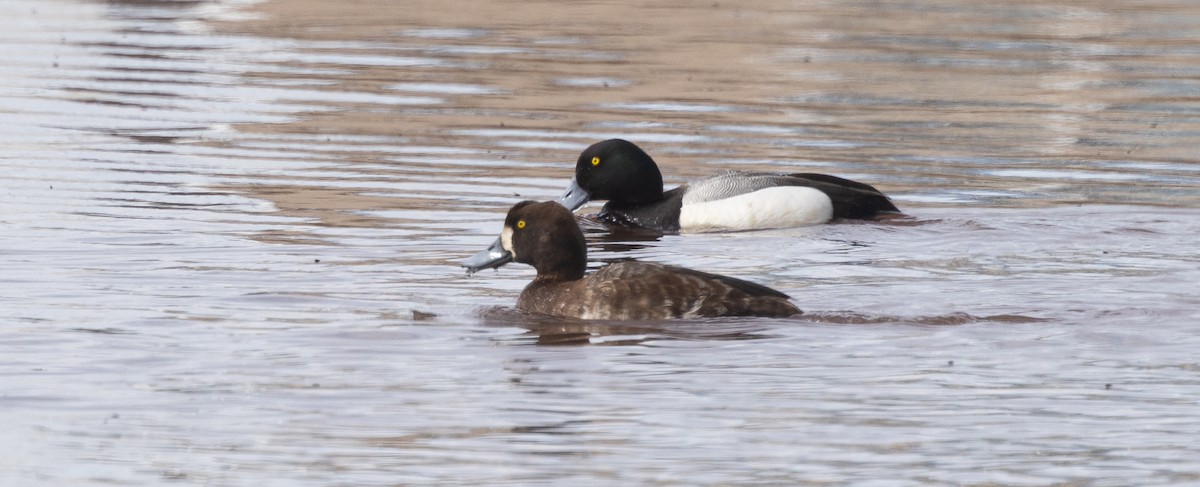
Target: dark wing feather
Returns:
[[641, 290], [834, 180], [851, 199], [733, 282]]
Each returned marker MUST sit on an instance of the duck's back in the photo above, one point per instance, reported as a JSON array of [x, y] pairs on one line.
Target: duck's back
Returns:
[[732, 183], [647, 291], [849, 199]]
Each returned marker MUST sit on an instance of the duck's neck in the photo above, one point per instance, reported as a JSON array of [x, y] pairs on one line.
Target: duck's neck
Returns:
[[561, 275], [562, 261]]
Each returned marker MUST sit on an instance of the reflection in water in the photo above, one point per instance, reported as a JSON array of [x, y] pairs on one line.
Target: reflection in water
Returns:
[[603, 239], [559, 331], [231, 232]]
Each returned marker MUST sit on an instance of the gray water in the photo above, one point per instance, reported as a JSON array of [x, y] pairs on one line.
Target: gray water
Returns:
[[231, 232]]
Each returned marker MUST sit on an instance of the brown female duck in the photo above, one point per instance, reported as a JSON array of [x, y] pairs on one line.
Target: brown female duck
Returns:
[[546, 236]]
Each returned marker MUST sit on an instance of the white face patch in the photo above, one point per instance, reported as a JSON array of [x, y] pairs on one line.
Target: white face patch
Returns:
[[506, 241]]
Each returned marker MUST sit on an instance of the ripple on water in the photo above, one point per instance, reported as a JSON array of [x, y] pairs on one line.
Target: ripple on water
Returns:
[[231, 248]]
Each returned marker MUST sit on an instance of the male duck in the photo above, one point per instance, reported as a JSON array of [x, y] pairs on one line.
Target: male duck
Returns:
[[620, 172], [546, 236]]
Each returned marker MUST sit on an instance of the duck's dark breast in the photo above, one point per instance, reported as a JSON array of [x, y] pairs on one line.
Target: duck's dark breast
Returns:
[[662, 215]]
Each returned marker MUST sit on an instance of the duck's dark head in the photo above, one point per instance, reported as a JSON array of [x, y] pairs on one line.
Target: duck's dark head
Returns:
[[614, 170], [543, 235]]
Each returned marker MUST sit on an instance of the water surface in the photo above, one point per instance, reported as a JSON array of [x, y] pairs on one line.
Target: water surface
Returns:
[[232, 228]]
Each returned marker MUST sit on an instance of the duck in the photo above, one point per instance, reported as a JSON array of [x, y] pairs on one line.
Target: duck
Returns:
[[545, 235], [622, 173]]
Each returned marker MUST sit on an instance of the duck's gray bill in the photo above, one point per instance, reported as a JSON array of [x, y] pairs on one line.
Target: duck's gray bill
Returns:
[[574, 196], [495, 256]]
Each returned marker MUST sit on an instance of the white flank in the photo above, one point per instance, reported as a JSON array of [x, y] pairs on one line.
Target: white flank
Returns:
[[777, 207], [506, 241]]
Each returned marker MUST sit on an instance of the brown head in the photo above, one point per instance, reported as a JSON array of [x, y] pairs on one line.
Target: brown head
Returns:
[[543, 235]]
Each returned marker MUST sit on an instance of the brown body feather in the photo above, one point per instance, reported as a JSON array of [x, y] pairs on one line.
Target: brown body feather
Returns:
[[647, 291]]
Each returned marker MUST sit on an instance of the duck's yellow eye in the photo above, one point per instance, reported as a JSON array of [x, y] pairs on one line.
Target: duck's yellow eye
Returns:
[[595, 161], [520, 223]]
